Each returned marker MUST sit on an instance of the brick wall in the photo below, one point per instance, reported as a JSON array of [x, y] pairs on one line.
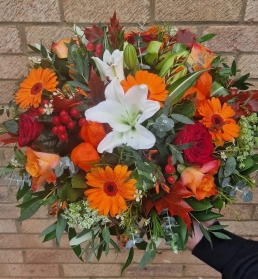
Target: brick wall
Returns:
[[22, 22]]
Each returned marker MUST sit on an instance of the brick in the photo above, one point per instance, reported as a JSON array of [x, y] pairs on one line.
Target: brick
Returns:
[[198, 10], [43, 270], [13, 67], [248, 64], [7, 89], [77, 270], [46, 35], [11, 256], [6, 154], [102, 11], [23, 241], [251, 12], [53, 255], [238, 212], [7, 226], [152, 269], [233, 38], [200, 270], [9, 211], [11, 194], [10, 40], [243, 228], [4, 194], [36, 226], [29, 11]]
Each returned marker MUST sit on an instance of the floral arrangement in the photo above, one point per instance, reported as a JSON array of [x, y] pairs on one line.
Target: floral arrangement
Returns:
[[130, 134]]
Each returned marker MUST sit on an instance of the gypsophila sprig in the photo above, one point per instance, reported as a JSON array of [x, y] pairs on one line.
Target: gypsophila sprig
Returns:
[[81, 215]]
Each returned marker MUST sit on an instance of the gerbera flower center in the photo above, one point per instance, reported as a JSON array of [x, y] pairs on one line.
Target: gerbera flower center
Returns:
[[217, 121], [36, 88], [110, 188]]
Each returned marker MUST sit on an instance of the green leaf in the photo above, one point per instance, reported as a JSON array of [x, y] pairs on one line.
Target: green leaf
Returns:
[[178, 47], [63, 191], [74, 193], [114, 245], [248, 162], [216, 62], [82, 238], [177, 89], [218, 90], [50, 200], [186, 108], [30, 211], [49, 229], [106, 235], [76, 249], [250, 170], [78, 181], [230, 166], [206, 38], [22, 191], [60, 227], [106, 249], [49, 236], [206, 216], [34, 48], [11, 126], [142, 245], [145, 259], [181, 118], [205, 233], [221, 235], [199, 205], [43, 51], [29, 202], [233, 68], [75, 83], [129, 260], [185, 146], [100, 250], [217, 227], [218, 203], [182, 231]]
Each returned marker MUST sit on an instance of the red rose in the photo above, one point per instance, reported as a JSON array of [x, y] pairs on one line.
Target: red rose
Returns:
[[201, 152], [29, 128]]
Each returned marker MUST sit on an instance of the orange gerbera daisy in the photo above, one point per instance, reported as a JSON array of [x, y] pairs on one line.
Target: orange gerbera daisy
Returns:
[[30, 92], [156, 86], [217, 120], [111, 188]]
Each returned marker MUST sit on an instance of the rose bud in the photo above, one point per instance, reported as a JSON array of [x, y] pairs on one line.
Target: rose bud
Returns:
[[60, 48]]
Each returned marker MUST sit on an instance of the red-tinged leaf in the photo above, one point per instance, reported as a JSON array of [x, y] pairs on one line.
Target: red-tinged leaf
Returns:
[[97, 87], [64, 104], [8, 138], [245, 102], [185, 36], [93, 33], [113, 29], [174, 202]]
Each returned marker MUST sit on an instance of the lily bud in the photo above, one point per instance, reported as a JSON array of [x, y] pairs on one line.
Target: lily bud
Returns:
[[130, 57], [60, 48]]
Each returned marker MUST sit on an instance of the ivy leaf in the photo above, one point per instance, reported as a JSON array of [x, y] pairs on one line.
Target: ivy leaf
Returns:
[[96, 87], [174, 202]]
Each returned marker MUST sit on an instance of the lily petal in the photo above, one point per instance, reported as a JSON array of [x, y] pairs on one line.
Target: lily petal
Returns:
[[139, 138], [112, 140], [110, 112]]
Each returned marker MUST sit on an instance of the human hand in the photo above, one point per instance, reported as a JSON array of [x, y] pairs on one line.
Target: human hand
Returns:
[[197, 234]]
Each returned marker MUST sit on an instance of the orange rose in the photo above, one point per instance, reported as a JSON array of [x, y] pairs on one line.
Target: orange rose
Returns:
[[60, 48], [85, 156], [39, 165], [201, 180], [93, 133]]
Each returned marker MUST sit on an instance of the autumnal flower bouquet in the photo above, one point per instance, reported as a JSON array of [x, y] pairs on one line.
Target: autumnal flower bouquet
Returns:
[[130, 134]]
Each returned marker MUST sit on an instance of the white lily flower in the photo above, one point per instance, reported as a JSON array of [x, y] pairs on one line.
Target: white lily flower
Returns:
[[112, 65], [124, 113]]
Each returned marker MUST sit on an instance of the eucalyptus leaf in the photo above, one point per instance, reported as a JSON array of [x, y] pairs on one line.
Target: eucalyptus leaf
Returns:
[[145, 258], [49, 229], [80, 239], [106, 235], [30, 211], [129, 259], [60, 227], [230, 166], [181, 118]]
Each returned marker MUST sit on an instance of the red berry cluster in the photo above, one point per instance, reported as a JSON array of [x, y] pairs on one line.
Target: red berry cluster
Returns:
[[98, 48], [170, 169], [69, 120]]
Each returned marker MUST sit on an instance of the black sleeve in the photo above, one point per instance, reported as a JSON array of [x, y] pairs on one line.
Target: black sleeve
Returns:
[[236, 258]]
